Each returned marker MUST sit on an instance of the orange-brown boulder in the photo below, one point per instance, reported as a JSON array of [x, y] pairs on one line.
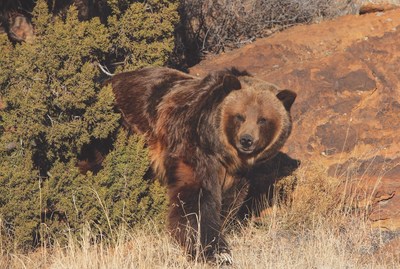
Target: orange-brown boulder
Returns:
[[346, 73]]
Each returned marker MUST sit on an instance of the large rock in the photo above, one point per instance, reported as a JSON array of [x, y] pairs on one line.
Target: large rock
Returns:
[[347, 115]]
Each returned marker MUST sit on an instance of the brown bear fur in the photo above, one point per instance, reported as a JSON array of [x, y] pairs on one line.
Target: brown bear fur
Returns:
[[204, 136]]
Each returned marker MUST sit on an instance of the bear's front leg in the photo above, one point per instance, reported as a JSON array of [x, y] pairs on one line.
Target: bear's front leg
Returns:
[[195, 214]]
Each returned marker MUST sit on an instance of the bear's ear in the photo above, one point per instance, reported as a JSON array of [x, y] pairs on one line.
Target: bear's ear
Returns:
[[287, 97], [231, 83]]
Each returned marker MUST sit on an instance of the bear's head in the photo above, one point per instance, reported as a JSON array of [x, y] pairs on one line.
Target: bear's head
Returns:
[[255, 120]]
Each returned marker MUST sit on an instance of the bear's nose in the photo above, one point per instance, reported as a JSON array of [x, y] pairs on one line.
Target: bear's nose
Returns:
[[246, 140]]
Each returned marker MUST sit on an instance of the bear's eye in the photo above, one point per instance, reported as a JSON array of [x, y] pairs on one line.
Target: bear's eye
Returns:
[[262, 121], [239, 117]]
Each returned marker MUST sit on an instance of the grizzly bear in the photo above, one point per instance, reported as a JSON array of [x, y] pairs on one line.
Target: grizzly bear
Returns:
[[204, 136]]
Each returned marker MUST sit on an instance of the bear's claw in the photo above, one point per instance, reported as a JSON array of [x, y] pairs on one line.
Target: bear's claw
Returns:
[[223, 259]]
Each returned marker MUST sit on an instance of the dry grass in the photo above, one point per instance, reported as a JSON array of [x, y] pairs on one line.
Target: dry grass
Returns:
[[253, 247], [309, 230]]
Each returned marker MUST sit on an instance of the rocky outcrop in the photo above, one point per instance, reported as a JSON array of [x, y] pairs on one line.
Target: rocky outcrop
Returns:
[[347, 114], [376, 6]]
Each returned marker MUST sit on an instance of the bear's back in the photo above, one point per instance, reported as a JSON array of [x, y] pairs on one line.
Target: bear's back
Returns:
[[138, 94]]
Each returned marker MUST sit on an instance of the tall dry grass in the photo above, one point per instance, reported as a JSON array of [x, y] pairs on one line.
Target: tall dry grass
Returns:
[[311, 228]]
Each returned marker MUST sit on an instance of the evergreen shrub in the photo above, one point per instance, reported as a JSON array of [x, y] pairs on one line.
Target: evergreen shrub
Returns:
[[53, 103]]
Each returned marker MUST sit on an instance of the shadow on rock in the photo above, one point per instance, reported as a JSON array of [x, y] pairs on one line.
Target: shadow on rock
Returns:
[[262, 179]]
